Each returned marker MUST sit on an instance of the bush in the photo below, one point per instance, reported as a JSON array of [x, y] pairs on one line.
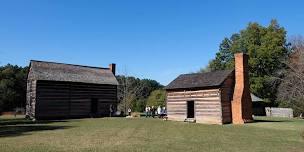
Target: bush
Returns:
[[138, 105]]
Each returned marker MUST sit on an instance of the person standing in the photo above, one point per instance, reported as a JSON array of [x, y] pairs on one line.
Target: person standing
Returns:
[[159, 111], [146, 111], [153, 111], [149, 111], [129, 111], [164, 111], [111, 110]]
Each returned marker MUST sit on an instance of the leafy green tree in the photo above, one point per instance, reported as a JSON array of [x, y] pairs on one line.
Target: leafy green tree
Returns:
[[266, 47], [139, 105], [157, 98]]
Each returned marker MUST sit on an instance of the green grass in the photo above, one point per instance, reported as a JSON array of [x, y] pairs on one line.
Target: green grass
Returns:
[[140, 134]]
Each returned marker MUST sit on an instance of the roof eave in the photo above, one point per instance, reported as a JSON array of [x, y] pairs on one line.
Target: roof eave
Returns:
[[194, 88]]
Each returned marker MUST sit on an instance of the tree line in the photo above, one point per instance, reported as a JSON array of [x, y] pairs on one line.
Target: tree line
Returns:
[[12, 87], [275, 65]]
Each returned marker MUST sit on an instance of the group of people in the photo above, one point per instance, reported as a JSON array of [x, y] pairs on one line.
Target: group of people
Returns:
[[160, 112]]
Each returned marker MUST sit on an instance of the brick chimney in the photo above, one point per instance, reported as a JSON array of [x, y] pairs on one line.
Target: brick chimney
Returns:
[[112, 67], [242, 104]]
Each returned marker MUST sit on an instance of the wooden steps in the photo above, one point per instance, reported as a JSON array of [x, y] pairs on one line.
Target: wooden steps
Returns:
[[190, 120]]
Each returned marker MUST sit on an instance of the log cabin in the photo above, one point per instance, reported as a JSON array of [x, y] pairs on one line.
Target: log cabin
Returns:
[[217, 97], [59, 91]]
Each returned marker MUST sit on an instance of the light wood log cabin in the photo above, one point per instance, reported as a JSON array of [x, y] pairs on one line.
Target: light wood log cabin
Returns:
[[217, 97]]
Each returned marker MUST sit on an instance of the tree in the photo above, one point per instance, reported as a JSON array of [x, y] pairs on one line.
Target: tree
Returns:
[[125, 95], [133, 92], [12, 87], [266, 47], [291, 88], [157, 98]]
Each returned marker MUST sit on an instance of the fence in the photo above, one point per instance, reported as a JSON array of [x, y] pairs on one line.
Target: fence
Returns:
[[279, 112]]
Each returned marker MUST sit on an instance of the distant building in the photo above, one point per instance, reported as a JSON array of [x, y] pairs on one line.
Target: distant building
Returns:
[[214, 97], [258, 106], [279, 112], [254, 98], [56, 90]]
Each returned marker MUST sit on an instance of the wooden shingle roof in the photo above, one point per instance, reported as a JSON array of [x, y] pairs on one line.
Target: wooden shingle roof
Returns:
[[199, 80], [41, 70]]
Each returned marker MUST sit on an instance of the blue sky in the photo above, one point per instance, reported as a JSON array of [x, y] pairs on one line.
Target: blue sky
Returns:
[[155, 39]]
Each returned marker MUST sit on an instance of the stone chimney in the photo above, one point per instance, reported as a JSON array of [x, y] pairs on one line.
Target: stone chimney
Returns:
[[241, 104], [112, 67]]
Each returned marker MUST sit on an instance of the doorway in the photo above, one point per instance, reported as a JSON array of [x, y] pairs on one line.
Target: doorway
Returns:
[[190, 109], [94, 106]]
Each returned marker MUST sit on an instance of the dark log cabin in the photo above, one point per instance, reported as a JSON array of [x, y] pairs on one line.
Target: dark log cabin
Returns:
[[217, 97], [58, 91]]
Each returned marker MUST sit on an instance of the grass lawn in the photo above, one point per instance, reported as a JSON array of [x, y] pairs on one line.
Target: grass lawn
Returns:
[[140, 134]]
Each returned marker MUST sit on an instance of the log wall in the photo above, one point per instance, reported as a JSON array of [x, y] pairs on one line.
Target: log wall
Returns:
[[72, 100], [30, 98], [226, 98], [207, 105]]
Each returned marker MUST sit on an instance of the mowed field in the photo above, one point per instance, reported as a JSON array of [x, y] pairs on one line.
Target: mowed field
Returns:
[[141, 134]]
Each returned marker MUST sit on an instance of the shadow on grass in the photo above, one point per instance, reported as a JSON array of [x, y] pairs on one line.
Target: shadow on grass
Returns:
[[12, 131], [20, 126], [260, 121], [22, 121]]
